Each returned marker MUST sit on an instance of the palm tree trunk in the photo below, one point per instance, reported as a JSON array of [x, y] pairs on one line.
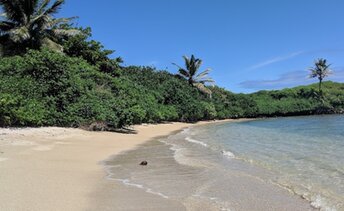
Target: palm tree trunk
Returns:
[[190, 81], [320, 81]]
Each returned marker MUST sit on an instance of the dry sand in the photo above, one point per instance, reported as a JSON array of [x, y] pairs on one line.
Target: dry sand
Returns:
[[60, 168]]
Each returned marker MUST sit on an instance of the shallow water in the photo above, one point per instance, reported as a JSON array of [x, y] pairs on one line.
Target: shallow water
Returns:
[[272, 164], [306, 154]]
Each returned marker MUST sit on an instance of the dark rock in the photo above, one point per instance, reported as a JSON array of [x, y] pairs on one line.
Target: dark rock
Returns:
[[144, 163]]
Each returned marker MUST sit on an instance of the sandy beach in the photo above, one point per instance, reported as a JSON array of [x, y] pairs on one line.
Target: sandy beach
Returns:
[[54, 168]]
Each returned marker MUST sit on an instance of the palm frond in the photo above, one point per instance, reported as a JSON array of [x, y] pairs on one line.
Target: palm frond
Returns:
[[183, 73], [44, 15], [198, 63], [204, 73], [321, 69], [187, 62], [3, 15], [32, 20], [29, 7], [313, 73], [192, 59], [5, 26], [42, 7], [192, 66], [177, 65], [12, 9], [45, 21], [58, 21], [19, 34], [209, 81], [204, 78], [65, 32], [55, 7], [41, 22], [40, 18]]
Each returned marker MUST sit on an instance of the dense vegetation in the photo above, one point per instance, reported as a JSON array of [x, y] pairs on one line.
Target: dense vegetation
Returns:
[[49, 88], [80, 85]]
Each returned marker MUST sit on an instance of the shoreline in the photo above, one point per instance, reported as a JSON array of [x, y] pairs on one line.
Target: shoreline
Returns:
[[147, 197], [53, 168]]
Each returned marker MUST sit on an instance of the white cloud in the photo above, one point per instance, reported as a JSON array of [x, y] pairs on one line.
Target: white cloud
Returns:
[[276, 59], [289, 79]]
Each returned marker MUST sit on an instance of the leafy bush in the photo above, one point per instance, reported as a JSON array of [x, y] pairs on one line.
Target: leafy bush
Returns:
[[17, 110], [55, 83]]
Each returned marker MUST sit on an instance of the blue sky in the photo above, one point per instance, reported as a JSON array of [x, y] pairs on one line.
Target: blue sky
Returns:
[[249, 44]]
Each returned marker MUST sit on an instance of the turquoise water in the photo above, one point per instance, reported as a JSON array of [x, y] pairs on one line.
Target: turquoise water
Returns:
[[306, 154], [294, 163]]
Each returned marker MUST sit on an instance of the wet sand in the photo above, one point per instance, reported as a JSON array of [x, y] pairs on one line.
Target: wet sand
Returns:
[[187, 176]]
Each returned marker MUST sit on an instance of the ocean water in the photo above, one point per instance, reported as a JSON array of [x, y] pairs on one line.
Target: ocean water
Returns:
[[294, 163]]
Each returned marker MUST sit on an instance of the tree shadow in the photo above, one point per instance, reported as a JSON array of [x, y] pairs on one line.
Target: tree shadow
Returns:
[[124, 130]]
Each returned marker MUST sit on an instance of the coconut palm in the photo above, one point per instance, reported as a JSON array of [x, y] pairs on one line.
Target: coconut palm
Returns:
[[30, 24], [192, 75], [321, 70]]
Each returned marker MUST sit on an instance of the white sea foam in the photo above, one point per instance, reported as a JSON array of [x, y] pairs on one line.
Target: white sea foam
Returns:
[[228, 154], [196, 141], [148, 190], [320, 203], [216, 202], [178, 154], [316, 201], [128, 183]]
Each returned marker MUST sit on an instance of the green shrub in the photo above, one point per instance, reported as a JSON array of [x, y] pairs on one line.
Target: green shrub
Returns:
[[17, 110]]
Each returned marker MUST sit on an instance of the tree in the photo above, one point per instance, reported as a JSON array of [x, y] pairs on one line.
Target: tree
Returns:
[[321, 70], [30, 24], [92, 51], [193, 77]]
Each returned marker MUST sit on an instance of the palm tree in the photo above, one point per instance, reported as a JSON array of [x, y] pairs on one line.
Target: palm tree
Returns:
[[30, 24], [320, 71], [193, 77]]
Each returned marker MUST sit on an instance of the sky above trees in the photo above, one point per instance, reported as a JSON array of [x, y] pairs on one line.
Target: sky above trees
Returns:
[[250, 45]]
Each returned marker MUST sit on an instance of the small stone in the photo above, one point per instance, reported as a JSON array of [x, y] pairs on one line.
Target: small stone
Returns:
[[144, 163]]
